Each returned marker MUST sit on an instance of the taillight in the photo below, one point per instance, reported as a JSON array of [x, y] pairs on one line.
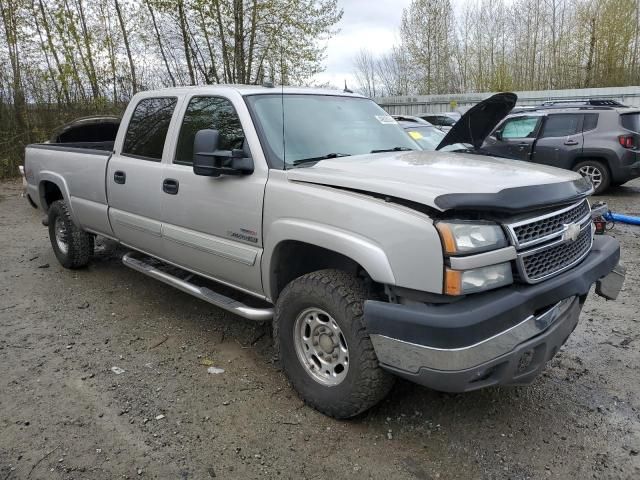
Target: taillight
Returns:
[[626, 141]]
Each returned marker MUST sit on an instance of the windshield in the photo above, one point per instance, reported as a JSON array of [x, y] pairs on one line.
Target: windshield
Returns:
[[631, 121], [441, 120], [430, 137], [323, 126]]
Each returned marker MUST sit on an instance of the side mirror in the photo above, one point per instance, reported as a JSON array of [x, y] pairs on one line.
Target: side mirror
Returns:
[[498, 135], [208, 161]]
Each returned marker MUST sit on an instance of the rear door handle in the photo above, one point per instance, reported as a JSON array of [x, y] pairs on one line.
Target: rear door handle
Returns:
[[170, 186], [119, 177], [571, 142]]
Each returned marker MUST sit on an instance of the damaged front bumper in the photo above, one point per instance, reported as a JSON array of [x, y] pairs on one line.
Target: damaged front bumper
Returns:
[[501, 337]]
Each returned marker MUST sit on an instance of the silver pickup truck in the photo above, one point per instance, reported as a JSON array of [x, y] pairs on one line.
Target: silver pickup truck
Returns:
[[373, 259]]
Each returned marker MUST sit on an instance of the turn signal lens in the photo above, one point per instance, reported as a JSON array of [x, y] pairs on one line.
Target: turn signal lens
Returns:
[[452, 282]]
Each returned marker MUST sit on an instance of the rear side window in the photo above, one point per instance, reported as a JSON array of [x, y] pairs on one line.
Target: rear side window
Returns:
[[148, 128], [631, 121], [521, 127], [216, 113], [561, 125], [590, 122]]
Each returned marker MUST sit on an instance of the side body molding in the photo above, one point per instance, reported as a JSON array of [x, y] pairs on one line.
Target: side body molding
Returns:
[[360, 249]]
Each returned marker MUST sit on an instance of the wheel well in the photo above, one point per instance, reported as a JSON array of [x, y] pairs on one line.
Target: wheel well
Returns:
[[49, 192], [602, 160], [292, 259]]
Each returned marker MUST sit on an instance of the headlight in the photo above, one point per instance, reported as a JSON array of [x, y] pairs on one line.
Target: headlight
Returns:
[[461, 282], [470, 237]]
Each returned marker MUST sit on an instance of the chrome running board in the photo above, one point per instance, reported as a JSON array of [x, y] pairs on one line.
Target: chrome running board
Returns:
[[203, 293]]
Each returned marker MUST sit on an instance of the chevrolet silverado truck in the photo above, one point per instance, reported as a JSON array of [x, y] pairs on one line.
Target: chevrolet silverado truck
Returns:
[[314, 210]]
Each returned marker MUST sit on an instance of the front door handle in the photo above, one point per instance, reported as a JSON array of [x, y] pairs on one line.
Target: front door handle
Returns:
[[120, 177], [571, 142], [170, 186]]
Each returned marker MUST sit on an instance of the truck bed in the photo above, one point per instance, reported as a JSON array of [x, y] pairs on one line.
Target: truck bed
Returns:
[[78, 169]]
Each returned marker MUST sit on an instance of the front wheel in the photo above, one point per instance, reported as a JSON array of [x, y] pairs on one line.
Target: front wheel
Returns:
[[323, 347], [72, 246], [596, 172]]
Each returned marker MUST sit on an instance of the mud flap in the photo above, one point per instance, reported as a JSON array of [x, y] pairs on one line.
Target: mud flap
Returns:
[[610, 285]]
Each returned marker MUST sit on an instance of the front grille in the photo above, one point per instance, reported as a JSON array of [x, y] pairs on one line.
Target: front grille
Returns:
[[544, 244], [553, 260], [536, 230]]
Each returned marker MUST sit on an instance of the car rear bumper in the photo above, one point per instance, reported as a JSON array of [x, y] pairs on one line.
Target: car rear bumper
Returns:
[[629, 167], [500, 337]]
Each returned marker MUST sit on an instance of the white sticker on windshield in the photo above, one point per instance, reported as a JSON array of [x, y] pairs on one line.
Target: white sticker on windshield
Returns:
[[386, 119]]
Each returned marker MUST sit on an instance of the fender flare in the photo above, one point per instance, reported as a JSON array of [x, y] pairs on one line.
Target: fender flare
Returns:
[[59, 181], [364, 251]]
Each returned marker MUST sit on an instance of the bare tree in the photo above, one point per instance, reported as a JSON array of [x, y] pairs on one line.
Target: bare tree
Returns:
[[366, 72]]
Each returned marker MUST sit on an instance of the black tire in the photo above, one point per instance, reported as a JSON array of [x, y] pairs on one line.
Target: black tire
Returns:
[[601, 169], [79, 244], [342, 296]]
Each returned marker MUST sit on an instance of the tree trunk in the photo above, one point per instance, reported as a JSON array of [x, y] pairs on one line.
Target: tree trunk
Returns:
[[63, 78], [214, 69], [185, 41], [8, 13], [252, 40], [93, 78], [159, 40], [125, 37], [228, 75], [43, 46], [592, 47]]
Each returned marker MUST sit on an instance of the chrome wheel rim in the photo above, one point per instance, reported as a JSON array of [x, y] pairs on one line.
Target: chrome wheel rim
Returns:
[[321, 347], [592, 173], [61, 235]]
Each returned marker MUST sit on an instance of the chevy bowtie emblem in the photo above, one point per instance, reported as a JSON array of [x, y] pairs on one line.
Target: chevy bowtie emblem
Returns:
[[571, 232]]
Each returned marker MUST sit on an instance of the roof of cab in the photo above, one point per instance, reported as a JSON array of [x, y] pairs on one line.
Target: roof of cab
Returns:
[[250, 90]]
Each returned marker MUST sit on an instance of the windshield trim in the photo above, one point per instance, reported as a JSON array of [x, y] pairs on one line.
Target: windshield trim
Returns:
[[273, 162]]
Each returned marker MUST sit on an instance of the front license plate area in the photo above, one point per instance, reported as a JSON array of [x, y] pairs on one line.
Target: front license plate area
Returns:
[[610, 285]]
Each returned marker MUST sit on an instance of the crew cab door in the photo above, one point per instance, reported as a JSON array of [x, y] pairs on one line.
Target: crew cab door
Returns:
[[560, 140], [514, 138], [134, 175], [213, 225]]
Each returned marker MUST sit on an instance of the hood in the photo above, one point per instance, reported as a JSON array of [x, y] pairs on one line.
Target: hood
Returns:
[[449, 180], [480, 120]]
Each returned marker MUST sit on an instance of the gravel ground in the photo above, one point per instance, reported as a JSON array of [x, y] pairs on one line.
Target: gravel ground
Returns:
[[64, 414]]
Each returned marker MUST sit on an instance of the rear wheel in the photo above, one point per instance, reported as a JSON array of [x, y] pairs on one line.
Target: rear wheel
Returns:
[[597, 172], [323, 346], [72, 246]]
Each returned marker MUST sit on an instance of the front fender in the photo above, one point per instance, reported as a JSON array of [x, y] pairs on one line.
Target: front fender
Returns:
[[366, 252]]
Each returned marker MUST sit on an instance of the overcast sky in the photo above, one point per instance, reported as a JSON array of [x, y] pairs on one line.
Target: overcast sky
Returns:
[[370, 24]]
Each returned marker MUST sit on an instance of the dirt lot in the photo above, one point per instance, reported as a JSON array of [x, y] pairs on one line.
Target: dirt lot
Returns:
[[64, 414]]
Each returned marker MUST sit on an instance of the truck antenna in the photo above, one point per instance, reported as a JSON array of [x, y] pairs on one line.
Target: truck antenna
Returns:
[[284, 145]]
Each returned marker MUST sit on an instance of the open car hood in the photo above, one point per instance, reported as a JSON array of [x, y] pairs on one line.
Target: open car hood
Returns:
[[480, 120]]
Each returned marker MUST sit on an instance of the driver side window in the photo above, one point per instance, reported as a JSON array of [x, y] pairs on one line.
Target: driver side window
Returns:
[[214, 113], [522, 127]]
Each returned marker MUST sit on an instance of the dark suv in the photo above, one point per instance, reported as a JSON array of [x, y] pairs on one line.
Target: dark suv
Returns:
[[600, 140]]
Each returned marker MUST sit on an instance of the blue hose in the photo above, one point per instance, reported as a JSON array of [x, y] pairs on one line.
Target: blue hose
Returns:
[[616, 217]]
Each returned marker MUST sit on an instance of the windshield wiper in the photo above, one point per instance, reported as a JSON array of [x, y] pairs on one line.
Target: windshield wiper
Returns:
[[322, 157], [394, 149]]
